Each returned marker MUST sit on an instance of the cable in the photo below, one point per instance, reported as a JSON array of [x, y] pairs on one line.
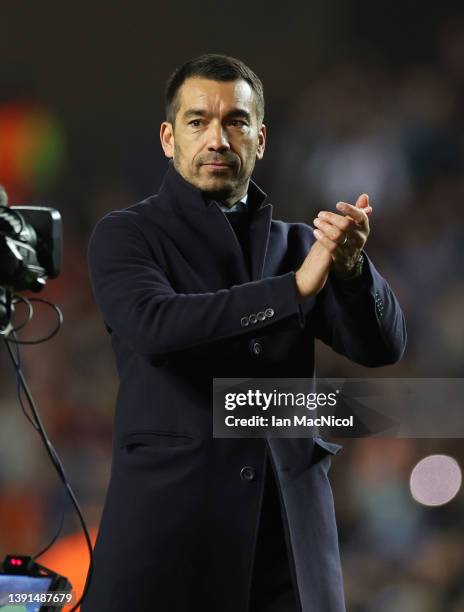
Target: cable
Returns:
[[59, 468], [50, 335], [55, 537], [37, 424], [19, 298], [19, 389]]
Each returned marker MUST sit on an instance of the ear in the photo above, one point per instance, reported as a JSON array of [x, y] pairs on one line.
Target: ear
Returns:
[[261, 142], [167, 138]]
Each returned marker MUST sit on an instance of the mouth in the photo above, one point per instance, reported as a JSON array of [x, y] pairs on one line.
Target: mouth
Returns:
[[216, 165]]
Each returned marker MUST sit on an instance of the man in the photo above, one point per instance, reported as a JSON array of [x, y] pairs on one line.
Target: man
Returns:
[[199, 282]]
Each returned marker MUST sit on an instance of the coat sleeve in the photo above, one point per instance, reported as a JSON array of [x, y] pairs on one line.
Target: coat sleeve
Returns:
[[361, 319], [139, 304]]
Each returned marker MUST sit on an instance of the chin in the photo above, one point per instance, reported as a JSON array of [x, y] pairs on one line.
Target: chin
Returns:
[[218, 194], [216, 187]]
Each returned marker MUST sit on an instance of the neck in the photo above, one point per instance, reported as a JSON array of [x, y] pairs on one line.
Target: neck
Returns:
[[236, 197]]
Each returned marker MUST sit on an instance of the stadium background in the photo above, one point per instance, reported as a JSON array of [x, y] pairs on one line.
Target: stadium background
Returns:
[[361, 97]]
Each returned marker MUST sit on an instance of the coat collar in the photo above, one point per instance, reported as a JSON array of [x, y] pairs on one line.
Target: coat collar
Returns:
[[187, 195], [212, 223]]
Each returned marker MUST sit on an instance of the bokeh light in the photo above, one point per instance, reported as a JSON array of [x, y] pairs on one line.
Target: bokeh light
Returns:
[[435, 480], [31, 148]]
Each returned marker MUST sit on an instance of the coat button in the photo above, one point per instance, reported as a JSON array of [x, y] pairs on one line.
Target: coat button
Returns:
[[244, 321], [269, 312], [261, 316], [257, 348], [247, 473], [253, 318]]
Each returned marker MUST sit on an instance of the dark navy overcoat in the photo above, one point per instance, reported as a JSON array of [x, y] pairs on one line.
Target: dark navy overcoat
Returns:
[[179, 523]]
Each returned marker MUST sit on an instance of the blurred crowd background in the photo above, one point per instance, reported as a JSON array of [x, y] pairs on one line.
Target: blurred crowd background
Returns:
[[360, 98]]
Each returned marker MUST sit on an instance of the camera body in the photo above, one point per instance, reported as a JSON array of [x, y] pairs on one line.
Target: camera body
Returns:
[[30, 252], [30, 246]]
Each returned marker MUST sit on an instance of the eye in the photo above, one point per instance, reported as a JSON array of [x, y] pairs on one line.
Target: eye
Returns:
[[195, 122], [238, 122]]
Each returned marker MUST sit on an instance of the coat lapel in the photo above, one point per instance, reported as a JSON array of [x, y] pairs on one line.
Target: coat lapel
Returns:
[[259, 239]]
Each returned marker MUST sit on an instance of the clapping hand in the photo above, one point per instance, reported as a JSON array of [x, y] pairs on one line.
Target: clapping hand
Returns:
[[344, 235], [339, 241]]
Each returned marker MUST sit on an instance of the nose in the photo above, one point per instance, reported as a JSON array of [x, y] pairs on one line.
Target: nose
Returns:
[[217, 138]]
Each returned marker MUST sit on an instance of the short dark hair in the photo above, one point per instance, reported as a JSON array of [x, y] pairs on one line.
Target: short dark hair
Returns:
[[217, 68]]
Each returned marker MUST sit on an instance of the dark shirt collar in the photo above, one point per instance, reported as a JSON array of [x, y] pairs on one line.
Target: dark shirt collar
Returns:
[[240, 205]]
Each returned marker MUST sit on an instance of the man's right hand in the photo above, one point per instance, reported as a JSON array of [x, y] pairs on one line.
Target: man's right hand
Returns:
[[312, 274]]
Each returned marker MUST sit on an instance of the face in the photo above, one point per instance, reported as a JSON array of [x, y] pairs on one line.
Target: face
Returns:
[[216, 139]]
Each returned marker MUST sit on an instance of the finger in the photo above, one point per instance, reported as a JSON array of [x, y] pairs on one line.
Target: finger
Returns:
[[340, 221], [368, 210], [332, 231], [357, 214], [356, 239], [330, 245], [362, 201]]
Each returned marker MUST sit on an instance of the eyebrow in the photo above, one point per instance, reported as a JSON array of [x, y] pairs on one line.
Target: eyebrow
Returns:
[[235, 112]]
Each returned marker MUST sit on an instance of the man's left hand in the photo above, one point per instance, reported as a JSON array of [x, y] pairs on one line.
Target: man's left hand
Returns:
[[344, 235]]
